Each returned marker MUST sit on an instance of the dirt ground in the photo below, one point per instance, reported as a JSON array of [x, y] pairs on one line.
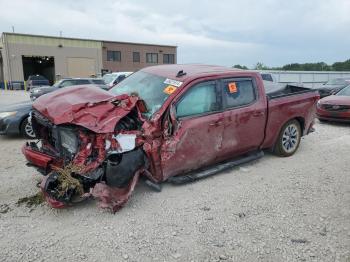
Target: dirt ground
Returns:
[[274, 209]]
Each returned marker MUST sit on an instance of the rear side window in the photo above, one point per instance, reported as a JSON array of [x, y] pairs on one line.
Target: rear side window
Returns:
[[267, 77], [238, 93], [199, 99]]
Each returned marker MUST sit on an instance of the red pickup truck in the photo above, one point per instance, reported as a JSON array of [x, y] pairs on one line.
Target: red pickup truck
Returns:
[[173, 123]]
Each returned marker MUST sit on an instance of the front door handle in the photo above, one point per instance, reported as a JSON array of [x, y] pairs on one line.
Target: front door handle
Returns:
[[258, 113]]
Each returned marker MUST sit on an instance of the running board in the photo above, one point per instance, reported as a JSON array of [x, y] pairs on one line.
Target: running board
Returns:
[[215, 169]]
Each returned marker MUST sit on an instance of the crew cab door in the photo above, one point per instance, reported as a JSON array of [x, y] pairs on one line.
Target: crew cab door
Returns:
[[197, 138], [245, 113]]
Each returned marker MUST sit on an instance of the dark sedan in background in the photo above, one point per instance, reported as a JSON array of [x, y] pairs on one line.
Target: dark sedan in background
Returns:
[[335, 107], [14, 120], [39, 91], [333, 86]]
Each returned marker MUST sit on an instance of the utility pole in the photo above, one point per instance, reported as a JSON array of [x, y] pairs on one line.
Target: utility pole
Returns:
[[13, 29]]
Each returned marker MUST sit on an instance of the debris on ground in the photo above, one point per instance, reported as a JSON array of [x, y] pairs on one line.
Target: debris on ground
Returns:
[[300, 240], [31, 201], [4, 208]]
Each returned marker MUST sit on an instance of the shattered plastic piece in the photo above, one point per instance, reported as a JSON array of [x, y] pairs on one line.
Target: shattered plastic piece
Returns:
[[126, 142]]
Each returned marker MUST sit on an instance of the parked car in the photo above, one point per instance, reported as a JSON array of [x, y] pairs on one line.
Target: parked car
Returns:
[[114, 78], [333, 86], [39, 91], [174, 123], [268, 77], [335, 107], [36, 81], [14, 120]]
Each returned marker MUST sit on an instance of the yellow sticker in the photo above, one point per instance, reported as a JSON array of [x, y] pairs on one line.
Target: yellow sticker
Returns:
[[232, 87], [169, 89]]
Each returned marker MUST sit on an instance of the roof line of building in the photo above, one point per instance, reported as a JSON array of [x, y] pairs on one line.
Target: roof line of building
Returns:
[[86, 39]]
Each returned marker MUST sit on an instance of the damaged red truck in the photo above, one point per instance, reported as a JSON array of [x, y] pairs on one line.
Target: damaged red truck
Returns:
[[174, 123]]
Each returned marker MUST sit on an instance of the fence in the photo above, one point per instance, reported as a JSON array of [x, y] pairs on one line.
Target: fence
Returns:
[[307, 78], [14, 85]]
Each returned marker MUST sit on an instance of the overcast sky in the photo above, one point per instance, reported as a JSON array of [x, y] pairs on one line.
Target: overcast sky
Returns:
[[223, 32]]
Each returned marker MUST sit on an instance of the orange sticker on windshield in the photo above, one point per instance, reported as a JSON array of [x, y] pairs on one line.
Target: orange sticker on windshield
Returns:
[[232, 87], [169, 89]]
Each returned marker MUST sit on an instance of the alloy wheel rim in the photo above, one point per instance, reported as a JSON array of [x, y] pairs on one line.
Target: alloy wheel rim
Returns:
[[290, 138], [29, 130]]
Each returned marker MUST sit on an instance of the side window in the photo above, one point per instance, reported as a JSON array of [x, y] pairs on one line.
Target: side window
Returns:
[[81, 82], [238, 93], [66, 83], [199, 99]]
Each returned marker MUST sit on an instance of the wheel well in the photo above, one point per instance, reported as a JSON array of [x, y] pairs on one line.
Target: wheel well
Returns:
[[302, 123], [20, 124]]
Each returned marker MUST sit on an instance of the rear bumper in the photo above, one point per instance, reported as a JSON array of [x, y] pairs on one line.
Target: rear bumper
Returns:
[[36, 158]]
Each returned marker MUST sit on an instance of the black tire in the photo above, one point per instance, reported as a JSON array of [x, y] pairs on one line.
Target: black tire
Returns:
[[288, 139], [26, 129]]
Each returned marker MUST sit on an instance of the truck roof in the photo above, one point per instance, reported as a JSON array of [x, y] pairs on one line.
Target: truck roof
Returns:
[[192, 71]]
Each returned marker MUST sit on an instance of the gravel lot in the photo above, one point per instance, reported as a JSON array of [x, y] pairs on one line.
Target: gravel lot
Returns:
[[275, 209]]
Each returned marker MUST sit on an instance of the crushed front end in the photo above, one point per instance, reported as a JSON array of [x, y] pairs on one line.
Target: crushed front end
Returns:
[[78, 163]]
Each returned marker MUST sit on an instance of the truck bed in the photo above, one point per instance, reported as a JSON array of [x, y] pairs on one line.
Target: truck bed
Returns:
[[277, 90]]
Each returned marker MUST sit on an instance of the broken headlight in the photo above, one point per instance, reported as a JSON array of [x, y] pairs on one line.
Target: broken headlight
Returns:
[[69, 140]]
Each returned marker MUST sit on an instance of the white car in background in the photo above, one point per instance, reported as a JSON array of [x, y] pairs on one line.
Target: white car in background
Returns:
[[112, 79]]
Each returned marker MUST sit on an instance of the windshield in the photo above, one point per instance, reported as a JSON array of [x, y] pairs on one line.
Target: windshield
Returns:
[[336, 81], [149, 87], [344, 92], [108, 78]]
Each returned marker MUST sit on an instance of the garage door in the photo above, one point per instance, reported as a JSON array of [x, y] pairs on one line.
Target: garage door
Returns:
[[81, 67]]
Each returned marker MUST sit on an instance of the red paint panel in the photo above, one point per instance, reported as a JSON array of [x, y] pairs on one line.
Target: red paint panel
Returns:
[[36, 158], [90, 107], [281, 110], [196, 143]]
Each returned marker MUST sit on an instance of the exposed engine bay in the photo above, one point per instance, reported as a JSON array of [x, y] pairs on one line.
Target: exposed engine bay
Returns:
[[82, 163]]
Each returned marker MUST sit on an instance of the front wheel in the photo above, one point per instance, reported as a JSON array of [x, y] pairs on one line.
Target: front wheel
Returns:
[[27, 129], [288, 139]]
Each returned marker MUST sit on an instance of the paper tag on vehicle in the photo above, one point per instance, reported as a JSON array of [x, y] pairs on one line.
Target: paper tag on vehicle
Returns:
[[232, 88], [169, 89], [173, 82]]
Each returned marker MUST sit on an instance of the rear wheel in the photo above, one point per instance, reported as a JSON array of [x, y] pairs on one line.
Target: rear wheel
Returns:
[[27, 129], [288, 139]]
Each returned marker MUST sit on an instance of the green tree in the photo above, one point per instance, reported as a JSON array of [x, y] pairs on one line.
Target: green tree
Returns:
[[240, 67], [260, 66]]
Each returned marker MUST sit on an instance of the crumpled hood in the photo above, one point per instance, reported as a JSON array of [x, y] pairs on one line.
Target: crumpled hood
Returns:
[[336, 100], [90, 107]]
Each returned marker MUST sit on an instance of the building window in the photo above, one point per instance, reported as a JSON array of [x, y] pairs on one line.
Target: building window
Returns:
[[136, 56], [168, 59], [113, 55], [152, 58]]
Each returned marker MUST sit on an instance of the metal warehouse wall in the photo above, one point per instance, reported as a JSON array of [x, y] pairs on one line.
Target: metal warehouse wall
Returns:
[[308, 78], [62, 49]]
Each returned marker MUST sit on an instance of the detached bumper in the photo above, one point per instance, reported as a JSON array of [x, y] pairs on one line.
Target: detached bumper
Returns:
[[36, 158]]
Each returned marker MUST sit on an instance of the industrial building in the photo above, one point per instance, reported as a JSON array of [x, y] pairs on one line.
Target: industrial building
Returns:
[[22, 55]]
